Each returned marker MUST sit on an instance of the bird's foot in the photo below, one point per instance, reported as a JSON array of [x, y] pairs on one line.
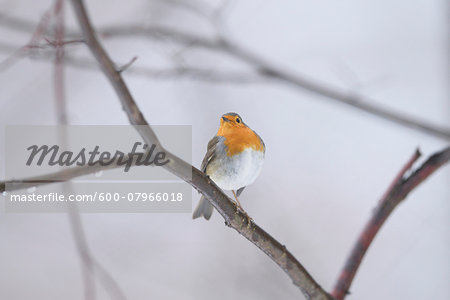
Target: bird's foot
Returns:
[[249, 219], [239, 207]]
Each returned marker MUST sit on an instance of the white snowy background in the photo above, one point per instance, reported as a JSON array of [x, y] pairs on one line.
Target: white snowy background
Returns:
[[326, 164]]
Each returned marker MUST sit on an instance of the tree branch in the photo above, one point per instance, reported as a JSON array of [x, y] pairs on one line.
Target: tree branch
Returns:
[[233, 217], [335, 94], [396, 193], [38, 30], [45, 52], [79, 236]]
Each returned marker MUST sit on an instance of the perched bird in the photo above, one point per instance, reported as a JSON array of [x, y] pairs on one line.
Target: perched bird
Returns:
[[234, 159]]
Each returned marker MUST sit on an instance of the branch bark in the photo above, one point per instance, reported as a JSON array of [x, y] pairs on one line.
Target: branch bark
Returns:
[[233, 217], [396, 193]]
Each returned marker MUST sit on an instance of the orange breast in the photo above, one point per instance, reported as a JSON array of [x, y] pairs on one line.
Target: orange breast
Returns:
[[240, 138]]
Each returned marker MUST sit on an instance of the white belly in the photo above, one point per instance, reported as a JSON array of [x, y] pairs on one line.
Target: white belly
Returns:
[[232, 173]]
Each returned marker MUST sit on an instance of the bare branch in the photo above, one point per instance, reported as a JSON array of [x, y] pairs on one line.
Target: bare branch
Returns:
[[233, 217], [60, 176], [44, 51], [58, 75], [76, 226], [265, 68], [160, 33], [396, 193], [127, 65], [335, 94], [39, 31], [61, 43]]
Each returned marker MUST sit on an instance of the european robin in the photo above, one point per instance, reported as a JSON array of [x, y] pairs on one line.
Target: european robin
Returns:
[[233, 160]]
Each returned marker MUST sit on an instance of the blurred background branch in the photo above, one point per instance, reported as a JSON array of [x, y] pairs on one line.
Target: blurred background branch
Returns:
[[89, 264], [261, 68]]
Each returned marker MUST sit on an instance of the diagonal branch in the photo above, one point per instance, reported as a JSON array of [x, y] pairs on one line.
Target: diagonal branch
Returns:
[[396, 193], [233, 217], [267, 69], [333, 93]]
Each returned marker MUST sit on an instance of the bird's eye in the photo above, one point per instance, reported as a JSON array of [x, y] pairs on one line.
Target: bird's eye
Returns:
[[238, 120]]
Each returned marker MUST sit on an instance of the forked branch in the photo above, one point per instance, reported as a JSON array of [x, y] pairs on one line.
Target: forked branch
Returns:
[[396, 193]]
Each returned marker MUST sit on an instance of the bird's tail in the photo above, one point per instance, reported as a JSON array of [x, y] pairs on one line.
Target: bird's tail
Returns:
[[204, 208]]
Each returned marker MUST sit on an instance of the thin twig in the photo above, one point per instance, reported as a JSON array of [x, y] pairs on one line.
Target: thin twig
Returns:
[[233, 217], [39, 31], [58, 74], [76, 226], [44, 51], [127, 65], [397, 191], [62, 42]]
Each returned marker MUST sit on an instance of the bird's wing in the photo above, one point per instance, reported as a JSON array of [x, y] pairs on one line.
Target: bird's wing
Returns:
[[210, 153], [262, 142]]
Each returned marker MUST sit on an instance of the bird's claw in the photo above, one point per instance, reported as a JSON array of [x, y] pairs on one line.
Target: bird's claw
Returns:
[[249, 219]]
